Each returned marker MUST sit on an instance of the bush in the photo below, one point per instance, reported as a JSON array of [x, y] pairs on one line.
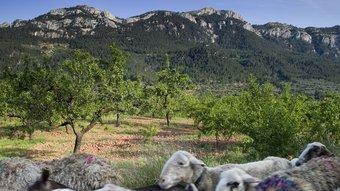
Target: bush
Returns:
[[149, 132], [276, 122]]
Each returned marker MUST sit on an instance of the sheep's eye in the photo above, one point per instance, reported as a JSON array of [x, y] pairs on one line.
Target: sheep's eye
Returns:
[[181, 163], [233, 184]]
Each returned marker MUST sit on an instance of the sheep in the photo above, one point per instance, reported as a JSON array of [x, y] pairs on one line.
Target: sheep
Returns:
[[17, 173], [82, 172], [294, 161], [313, 150], [236, 179], [111, 187], [183, 167], [107, 187], [319, 174], [44, 184], [190, 187]]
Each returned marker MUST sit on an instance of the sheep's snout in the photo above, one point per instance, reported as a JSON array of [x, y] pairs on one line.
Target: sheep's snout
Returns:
[[165, 183]]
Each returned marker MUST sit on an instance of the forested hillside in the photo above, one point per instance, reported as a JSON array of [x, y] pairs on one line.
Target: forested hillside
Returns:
[[215, 48]]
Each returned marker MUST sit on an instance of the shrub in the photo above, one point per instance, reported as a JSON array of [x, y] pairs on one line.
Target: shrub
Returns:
[[149, 132], [274, 122]]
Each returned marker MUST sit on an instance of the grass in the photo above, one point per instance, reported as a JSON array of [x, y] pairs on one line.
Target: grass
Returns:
[[17, 147], [141, 173]]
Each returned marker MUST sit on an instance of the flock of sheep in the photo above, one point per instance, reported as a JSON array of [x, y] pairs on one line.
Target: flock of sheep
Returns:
[[315, 169]]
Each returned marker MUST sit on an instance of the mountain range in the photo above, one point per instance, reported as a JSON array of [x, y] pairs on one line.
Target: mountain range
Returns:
[[215, 47]]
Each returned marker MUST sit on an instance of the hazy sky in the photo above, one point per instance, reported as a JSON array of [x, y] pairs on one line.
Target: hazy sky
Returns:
[[320, 13]]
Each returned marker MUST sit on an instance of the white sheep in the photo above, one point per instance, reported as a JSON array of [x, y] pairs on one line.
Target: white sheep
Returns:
[[16, 174], [183, 167], [319, 174], [236, 179], [82, 172], [294, 161], [313, 150]]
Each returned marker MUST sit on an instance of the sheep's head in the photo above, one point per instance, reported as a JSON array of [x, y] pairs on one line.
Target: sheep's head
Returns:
[[181, 167], [294, 161], [313, 150], [44, 184], [236, 180]]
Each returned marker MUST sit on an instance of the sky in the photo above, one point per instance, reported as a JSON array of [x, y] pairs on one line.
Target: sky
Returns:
[[301, 13]]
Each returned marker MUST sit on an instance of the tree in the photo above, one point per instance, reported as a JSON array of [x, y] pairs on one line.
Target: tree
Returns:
[[117, 86], [26, 95], [85, 90], [124, 93], [170, 85]]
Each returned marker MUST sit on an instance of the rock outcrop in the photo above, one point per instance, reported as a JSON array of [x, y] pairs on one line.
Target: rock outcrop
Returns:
[[208, 23]]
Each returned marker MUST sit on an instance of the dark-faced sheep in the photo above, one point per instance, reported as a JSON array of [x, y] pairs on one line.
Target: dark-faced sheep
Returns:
[[313, 150]]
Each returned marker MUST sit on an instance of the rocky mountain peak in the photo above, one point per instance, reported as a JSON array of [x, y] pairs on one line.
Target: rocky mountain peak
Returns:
[[208, 22], [5, 25], [206, 11], [211, 11]]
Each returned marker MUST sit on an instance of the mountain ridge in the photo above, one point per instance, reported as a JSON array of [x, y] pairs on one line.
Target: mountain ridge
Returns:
[[212, 46], [55, 20]]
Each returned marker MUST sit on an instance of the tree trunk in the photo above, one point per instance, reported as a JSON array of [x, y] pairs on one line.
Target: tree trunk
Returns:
[[167, 119], [66, 128], [77, 143], [30, 136], [117, 120]]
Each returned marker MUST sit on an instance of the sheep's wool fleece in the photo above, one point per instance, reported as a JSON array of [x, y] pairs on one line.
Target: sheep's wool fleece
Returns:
[[82, 172], [259, 169], [319, 174], [17, 174]]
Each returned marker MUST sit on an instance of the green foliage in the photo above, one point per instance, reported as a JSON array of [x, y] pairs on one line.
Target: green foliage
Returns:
[[169, 87], [84, 90], [274, 122], [78, 90], [4, 93], [125, 94], [149, 132], [27, 95], [324, 120]]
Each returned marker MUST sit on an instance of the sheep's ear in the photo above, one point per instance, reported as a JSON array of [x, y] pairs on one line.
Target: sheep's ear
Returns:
[[327, 152], [195, 161], [251, 180]]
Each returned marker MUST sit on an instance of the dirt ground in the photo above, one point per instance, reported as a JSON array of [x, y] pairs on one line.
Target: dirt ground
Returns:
[[126, 142]]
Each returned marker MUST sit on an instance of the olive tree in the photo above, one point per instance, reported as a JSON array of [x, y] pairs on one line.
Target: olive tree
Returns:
[[27, 95], [169, 87], [85, 89]]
